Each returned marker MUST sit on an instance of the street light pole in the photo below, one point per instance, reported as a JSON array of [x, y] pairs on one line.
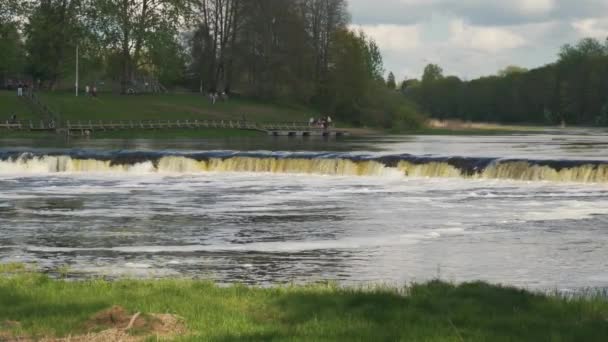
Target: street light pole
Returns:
[[76, 70]]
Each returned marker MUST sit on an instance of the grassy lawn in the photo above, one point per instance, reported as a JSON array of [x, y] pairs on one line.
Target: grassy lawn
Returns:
[[33, 305], [168, 106], [11, 104]]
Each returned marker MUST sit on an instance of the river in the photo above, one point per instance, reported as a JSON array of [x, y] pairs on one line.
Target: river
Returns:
[[523, 210]]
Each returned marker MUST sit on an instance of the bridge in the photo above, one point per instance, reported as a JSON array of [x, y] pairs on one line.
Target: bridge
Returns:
[[88, 127]]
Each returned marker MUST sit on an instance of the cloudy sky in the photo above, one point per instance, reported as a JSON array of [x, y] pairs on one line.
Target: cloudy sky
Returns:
[[470, 38]]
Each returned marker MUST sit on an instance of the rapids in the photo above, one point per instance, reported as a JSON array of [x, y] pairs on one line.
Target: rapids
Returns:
[[525, 211]]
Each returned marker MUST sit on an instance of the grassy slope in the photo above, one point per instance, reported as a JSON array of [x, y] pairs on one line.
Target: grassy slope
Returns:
[[431, 312], [10, 104], [168, 106]]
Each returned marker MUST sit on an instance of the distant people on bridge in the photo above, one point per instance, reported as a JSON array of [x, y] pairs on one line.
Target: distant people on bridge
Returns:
[[311, 122], [13, 118], [20, 89], [212, 97]]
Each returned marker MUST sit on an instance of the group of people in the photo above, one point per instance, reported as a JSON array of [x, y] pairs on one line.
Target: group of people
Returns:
[[22, 88], [322, 122], [213, 97], [90, 91]]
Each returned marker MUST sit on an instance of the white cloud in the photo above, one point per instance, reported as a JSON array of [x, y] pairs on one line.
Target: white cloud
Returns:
[[485, 39], [472, 38], [592, 27], [393, 37], [535, 7]]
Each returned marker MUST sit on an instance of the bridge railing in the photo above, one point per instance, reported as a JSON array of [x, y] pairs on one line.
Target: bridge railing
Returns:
[[32, 125], [168, 124], [104, 125]]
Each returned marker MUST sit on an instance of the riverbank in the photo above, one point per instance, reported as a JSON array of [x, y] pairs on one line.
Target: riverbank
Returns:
[[35, 306]]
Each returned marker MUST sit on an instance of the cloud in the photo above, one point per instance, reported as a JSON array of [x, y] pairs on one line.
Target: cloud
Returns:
[[478, 12], [393, 37], [484, 39], [592, 27], [534, 7], [472, 38]]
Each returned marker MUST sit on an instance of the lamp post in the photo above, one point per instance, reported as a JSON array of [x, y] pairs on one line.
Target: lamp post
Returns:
[[76, 70]]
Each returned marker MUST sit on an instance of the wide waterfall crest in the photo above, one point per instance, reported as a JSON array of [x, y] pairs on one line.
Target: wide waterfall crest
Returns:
[[334, 165]]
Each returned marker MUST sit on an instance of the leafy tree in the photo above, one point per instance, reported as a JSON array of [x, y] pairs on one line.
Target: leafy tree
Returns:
[[511, 70], [52, 32], [390, 81], [432, 72], [572, 90], [374, 57], [131, 29], [12, 56]]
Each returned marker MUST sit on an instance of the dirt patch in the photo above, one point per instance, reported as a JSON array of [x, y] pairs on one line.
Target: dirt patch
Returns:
[[117, 325]]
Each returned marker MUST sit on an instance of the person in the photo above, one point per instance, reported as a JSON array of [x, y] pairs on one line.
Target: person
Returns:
[[20, 89], [94, 91], [328, 120], [87, 90], [311, 122], [14, 118]]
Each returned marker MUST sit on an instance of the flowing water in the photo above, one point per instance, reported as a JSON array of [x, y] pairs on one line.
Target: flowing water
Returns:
[[524, 210]]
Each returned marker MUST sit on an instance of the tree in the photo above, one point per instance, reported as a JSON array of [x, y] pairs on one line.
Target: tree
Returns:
[[511, 70], [374, 57], [432, 72], [390, 81], [574, 90], [12, 56], [52, 32], [408, 84], [131, 29], [214, 41]]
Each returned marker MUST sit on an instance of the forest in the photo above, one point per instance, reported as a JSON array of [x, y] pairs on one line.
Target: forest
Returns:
[[572, 91], [284, 51], [287, 51]]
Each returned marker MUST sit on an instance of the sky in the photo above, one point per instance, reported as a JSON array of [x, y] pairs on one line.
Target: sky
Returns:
[[472, 38]]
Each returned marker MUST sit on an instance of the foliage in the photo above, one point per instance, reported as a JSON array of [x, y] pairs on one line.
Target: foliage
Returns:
[[284, 51], [52, 32], [12, 56], [573, 90], [390, 81], [432, 72], [512, 70]]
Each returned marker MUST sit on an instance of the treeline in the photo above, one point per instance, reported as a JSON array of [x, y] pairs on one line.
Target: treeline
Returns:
[[573, 90], [296, 51]]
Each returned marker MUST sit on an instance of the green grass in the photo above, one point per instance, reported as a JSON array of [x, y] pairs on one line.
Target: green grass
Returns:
[[11, 104], [435, 311], [167, 107]]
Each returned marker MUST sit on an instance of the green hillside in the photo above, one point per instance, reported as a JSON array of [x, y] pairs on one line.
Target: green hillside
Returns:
[[168, 107]]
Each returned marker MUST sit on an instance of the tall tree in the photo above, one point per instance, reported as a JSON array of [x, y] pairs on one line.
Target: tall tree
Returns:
[[52, 32], [214, 41], [390, 81], [131, 29], [432, 72]]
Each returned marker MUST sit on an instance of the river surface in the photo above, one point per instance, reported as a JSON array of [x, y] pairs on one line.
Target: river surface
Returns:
[[523, 210]]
